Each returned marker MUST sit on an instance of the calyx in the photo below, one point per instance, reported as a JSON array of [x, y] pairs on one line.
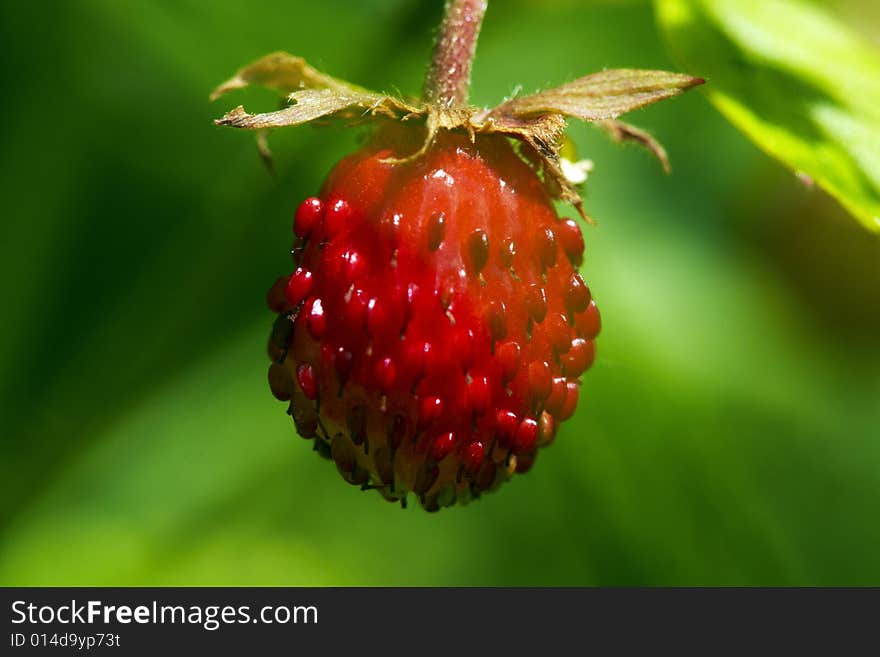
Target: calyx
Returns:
[[537, 120]]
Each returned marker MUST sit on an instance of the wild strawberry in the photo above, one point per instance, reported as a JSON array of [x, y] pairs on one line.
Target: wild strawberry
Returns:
[[447, 340], [434, 330]]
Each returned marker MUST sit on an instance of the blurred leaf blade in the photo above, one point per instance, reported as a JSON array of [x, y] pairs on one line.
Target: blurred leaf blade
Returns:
[[798, 83]]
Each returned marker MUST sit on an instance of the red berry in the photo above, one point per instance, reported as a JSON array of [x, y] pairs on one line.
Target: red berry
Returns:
[[570, 404], [343, 361], [496, 320], [526, 435], [436, 231], [572, 241], [540, 379], [386, 372], [308, 216], [464, 348], [336, 217], [442, 447], [578, 358], [299, 286], [389, 229], [305, 376], [317, 319], [546, 245], [439, 324], [478, 249], [479, 394], [506, 424], [508, 359], [589, 322], [508, 252], [355, 309], [557, 332], [556, 400], [276, 298], [430, 409], [525, 461], [577, 296], [472, 457], [536, 302]]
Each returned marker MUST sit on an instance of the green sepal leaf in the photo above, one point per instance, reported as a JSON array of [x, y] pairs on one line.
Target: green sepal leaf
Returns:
[[601, 96], [311, 104]]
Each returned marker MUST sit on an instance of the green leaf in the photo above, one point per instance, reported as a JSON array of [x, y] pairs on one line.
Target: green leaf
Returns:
[[802, 86]]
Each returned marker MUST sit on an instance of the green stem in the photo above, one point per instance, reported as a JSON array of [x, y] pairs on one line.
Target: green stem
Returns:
[[449, 75]]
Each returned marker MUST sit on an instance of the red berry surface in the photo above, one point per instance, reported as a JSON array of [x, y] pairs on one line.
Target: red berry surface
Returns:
[[434, 329]]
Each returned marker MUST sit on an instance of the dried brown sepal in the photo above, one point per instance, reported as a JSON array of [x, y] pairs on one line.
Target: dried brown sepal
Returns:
[[622, 132], [542, 136], [446, 119], [601, 96], [545, 129], [265, 152], [310, 104], [555, 181]]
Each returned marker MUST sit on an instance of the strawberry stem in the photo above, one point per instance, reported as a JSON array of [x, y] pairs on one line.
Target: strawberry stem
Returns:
[[449, 75]]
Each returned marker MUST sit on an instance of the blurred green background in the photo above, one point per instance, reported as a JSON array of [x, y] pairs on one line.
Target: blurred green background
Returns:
[[728, 434]]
